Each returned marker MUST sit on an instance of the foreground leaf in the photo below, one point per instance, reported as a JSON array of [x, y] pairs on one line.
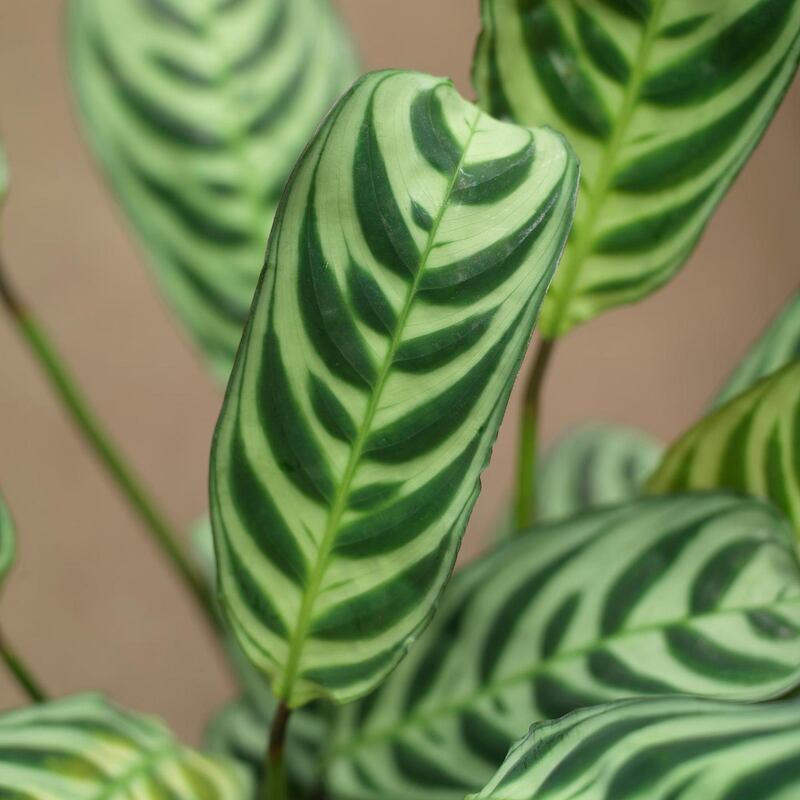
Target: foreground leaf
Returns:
[[683, 748], [405, 271], [752, 445], [663, 102], [197, 111], [593, 466], [8, 541], [84, 748], [693, 594], [778, 345]]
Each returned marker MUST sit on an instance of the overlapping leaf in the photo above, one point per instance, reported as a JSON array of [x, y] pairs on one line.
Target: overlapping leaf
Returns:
[[752, 445], [592, 466], [84, 748], [405, 271], [691, 594], [778, 345], [8, 543], [197, 110], [666, 749], [663, 101]]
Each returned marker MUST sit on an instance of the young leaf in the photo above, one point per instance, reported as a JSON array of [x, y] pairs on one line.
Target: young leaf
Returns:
[[84, 747], [752, 445], [595, 465], [8, 542], [778, 345], [197, 111], [663, 103], [691, 594], [681, 748], [405, 270]]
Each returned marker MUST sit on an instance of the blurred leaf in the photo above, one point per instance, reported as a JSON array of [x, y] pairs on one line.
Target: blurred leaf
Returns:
[[8, 541]]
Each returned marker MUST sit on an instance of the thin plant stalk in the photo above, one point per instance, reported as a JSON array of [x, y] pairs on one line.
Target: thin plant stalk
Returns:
[[76, 405], [274, 783], [21, 672], [525, 512]]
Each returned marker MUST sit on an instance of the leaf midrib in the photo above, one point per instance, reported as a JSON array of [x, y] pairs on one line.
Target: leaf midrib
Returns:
[[147, 765], [343, 490], [584, 238], [496, 687]]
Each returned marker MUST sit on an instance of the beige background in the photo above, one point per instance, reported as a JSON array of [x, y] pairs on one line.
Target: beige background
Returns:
[[90, 603]]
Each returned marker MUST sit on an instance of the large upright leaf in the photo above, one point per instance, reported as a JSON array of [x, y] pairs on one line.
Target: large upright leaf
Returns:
[[752, 445], [663, 102], [404, 274], [694, 594], [776, 347], [84, 748], [8, 543], [197, 110], [594, 465]]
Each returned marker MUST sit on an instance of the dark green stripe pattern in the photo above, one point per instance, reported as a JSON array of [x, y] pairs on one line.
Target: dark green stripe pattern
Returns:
[[776, 347], [82, 748], [751, 445], [663, 102], [8, 541], [593, 466], [690, 594], [197, 111], [406, 268], [659, 749]]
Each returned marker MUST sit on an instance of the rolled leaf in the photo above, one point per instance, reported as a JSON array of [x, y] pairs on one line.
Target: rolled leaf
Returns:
[[8, 542], [197, 111], [692, 594], [593, 466], [663, 103], [405, 271], [84, 747], [778, 345], [685, 748], [751, 445]]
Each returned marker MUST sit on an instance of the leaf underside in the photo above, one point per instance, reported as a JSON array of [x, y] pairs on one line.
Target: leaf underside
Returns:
[[681, 748], [83, 748], [751, 445], [690, 594], [404, 274], [663, 102], [197, 111]]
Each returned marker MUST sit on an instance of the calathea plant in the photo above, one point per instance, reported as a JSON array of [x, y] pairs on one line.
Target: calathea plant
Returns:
[[641, 607]]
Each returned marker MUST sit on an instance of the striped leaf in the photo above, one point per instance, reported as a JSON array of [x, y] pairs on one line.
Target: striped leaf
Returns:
[[663, 102], [8, 542], [693, 594], [405, 271], [778, 345], [84, 748], [667, 749], [592, 466], [751, 445], [197, 110]]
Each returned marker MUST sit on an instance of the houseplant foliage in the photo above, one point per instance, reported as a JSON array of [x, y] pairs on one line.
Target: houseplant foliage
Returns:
[[196, 111], [647, 622]]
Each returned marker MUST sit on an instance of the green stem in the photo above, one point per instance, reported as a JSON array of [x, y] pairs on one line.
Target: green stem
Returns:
[[73, 401], [21, 672], [529, 438], [274, 783]]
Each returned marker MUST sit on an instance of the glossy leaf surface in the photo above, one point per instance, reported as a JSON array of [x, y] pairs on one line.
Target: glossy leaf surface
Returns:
[[84, 748], [692, 594], [197, 111], [405, 272], [751, 445], [663, 102], [666, 749]]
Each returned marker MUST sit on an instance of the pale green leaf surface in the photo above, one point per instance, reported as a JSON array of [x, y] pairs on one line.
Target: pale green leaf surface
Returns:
[[657, 749], [197, 111], [776, 347], [751, 445], [405, 271], [690, 594], [8, 541], [84, 748], [663, 102]]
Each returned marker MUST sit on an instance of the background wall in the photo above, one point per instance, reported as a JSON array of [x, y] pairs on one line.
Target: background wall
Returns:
[[91, 603]]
